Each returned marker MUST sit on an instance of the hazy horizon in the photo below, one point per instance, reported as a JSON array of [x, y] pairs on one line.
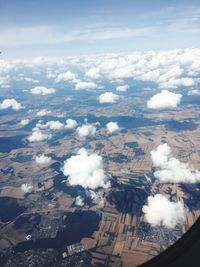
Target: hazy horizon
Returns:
[[64, 28]]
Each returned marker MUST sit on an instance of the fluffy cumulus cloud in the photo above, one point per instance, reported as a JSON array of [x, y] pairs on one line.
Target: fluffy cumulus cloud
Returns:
[[86, 130], [43, 112], [122, 88], [93, 73], [167, 69], [174, 83], [43, 160], [70, 124], [160, 211], [26, 188], [42, 90], [108, 97], [38, 136], [54, 125], [112, 127], [170, 169], [85, 85], [90, 172], [51, 125], [66, 76], [24, 122], [79, 201], [10, 103], [165, 99]]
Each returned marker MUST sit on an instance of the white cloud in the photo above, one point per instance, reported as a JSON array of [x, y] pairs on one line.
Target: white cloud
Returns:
[[26, 187], [172, 73], [112, 127], [159, 210], [66, 76], [121, 72], [42, 159], [42, 90], [152, 75], [194, 92], [160, 155], [97, 198], [174, 83], [86, 170], [38, 136], [24, 122], [70, 124], [170, 169], [26, 79], [10, 103], [167, 69], [52, 125], [42, 35], [43, 112], [108, 97], [5, 81], [93, 73], [165, 99], [85, 85], [50, 75], [122, 88], [86, 130], [55, 125], [79, 201]]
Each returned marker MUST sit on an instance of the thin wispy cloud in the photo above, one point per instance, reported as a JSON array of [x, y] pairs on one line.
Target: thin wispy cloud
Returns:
[[41, 35], [105, 27]]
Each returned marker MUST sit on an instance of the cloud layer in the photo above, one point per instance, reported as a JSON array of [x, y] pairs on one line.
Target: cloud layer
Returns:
[[93, 73], [166, 69]]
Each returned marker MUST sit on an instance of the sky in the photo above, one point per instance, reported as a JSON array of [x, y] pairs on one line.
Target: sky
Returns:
[[52, 28]]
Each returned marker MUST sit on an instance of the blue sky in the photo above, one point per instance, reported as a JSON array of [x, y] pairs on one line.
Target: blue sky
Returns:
[[31, 28]]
